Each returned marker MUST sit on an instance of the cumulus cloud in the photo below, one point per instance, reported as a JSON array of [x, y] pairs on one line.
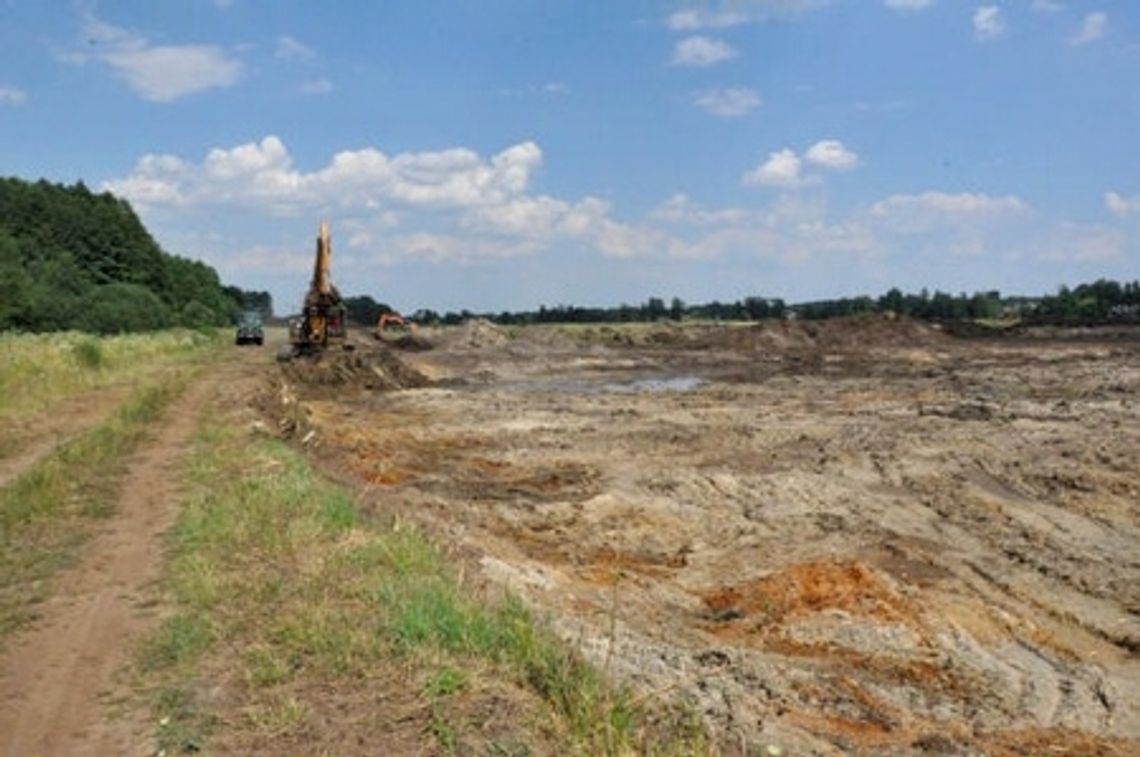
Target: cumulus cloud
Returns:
[[262, 174], [830, 153], [160, 73], [1092, 28], [784, 168], [1121, 205], [478, 206], [728, 102], [289, 48], [908, 5], [988, 23], [701, 51], [12, 96]]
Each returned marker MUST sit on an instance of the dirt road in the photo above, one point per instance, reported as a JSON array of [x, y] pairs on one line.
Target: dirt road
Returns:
[[861, 536], [58, 690]]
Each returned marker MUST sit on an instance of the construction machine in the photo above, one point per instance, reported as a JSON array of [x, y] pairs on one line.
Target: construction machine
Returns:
[[394, 320], [323, 319]]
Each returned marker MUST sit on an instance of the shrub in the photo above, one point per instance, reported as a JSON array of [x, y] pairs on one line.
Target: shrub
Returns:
[[118, 308]]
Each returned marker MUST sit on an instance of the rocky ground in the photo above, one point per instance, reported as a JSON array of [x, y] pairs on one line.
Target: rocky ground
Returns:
[[858, 535]]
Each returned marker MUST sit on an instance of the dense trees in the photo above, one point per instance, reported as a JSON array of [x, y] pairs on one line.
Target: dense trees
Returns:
[[73, 259], [1102, 301]]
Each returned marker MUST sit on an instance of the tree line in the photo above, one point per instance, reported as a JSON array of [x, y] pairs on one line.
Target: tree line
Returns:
[[1103, 301], [74, 259]]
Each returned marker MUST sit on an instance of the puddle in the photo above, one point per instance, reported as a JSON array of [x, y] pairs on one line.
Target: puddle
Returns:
[[652, 384], [657, 384]]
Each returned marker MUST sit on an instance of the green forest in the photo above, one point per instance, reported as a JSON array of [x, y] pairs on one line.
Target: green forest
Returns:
[[74, 259], [1100, 302]]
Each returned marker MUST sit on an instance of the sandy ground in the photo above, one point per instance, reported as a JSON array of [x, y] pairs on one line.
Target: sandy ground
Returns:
[[853, 536]]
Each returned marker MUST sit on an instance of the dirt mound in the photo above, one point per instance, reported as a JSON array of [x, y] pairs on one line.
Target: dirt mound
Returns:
[[411, 343], [853, 334], [479, 333], [376, 368]]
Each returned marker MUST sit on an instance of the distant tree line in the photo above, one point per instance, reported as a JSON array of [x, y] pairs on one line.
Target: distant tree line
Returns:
[[74, 259], [1103, 301]]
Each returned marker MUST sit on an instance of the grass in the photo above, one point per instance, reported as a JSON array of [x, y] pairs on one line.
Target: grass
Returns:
[[36, 370], [46, 513], [277, 579]]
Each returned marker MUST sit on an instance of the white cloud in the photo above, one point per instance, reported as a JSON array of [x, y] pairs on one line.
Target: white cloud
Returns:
[[830, 153], [476, 207], [261, 174], [1046, 6], [12, 96], [1072, 242], [908, 5], [785, 169], [161, 73], [1121, 205], [679, 209], [988, 23], [727, 13], [555, 88], [782, 169], [289, 48], [728, 102], [693, 19], [316, 87], [701, 51], [1092, 28], [963, 215]]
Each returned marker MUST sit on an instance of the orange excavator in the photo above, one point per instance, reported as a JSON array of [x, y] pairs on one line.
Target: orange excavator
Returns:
[[392, 320]]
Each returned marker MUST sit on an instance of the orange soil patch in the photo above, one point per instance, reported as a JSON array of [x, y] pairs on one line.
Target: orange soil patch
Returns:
[[807, 588]]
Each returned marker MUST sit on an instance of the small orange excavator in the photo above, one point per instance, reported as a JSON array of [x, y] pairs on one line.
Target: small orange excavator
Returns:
[[323, 320], [392, 319]]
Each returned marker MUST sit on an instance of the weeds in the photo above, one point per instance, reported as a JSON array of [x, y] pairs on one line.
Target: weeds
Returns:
[[36, 370]]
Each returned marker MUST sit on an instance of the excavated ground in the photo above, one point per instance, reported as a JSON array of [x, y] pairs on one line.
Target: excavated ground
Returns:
[[856, 535]]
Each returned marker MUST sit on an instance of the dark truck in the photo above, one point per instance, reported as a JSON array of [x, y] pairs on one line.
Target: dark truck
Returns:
[[249, 329]]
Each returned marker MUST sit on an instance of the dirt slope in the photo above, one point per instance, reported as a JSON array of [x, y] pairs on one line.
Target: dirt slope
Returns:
[[57, 682]]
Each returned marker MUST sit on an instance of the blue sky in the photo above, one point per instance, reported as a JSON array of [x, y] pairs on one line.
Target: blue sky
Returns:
[[506, 154]]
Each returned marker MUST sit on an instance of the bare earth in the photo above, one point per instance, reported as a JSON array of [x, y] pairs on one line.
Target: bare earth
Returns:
[[57, 678], [857, 535]]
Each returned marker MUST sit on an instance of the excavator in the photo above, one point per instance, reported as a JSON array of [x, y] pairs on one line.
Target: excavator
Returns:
[[392, 320], [323, 320]]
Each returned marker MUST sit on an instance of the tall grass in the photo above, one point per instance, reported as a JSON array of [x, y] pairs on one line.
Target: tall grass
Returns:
[[274, 570], [38, 369], [47, 512]]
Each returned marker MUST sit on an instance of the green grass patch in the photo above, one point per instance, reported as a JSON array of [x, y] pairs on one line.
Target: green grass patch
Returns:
[[46, 513], [37, 370], [276, 578]]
